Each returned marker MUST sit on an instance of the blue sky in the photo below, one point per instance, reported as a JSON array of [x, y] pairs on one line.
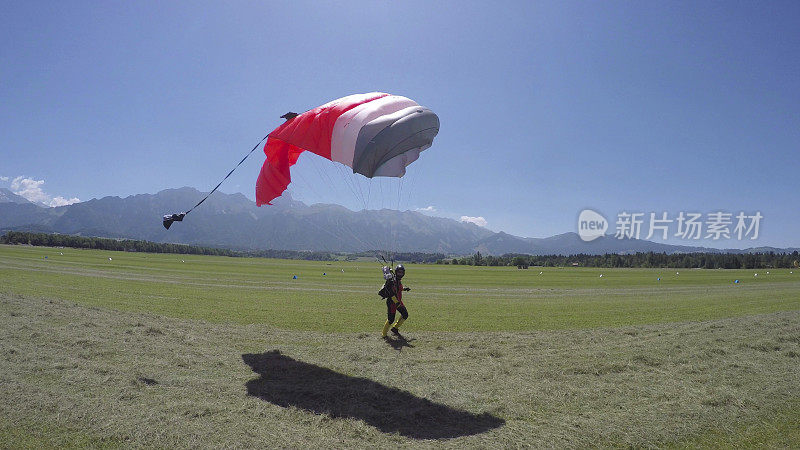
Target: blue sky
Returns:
[[547, 108]]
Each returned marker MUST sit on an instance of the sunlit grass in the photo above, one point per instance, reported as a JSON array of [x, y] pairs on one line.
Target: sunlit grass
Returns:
[[342, 296], [99, 352]]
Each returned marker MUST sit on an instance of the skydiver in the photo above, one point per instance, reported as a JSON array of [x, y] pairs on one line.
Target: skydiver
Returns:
[[392, 291]]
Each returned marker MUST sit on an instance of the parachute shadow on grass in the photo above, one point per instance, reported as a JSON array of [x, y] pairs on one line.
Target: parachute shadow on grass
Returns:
[[287, 382]]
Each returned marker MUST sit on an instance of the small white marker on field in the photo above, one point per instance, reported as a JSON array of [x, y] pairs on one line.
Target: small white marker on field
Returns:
[[601, 275], [109, 258]]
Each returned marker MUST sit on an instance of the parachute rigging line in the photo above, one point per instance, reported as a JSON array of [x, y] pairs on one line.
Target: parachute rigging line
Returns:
[[178, 217]]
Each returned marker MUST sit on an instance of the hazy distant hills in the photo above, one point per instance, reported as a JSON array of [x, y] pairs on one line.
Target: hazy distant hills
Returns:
[[233, 221], [6, 196]]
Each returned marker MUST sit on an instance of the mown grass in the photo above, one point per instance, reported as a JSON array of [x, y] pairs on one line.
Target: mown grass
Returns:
[[149, 351], [96, 376], [444, 298]]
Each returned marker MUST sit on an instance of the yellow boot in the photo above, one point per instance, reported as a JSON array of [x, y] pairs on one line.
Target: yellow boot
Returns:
[[397, 325], [386, 328]]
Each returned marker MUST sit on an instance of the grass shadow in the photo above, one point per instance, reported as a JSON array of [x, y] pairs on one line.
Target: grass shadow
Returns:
[[399, 342], [287, 382]]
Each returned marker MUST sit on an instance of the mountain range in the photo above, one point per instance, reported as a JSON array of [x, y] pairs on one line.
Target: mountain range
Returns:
[[233, 221], [7, 196]]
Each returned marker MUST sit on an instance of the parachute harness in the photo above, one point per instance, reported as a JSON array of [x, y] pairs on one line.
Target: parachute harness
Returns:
[[178, 217]]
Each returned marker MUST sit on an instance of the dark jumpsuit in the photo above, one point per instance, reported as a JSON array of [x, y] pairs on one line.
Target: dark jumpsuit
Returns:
[[396, 288]]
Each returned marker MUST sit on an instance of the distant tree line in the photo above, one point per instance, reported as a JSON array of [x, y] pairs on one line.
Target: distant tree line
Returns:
[[128, 245], [289, 254], [123, 245], [645, 260], [649, 259], [416, 257]]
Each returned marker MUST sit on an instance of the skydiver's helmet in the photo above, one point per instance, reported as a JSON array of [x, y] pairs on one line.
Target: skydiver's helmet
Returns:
[[387, 273], [399, 271]]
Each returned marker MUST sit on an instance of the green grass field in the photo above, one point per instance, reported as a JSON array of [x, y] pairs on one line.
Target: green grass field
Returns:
[[183, 350]]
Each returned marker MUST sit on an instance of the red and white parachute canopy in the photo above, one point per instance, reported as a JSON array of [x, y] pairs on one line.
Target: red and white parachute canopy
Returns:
[[375, 134]]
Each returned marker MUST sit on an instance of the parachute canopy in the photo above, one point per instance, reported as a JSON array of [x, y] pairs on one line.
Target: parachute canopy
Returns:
[[375, 134]]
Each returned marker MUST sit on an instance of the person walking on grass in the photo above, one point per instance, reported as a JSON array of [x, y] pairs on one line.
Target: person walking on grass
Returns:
[[392, 291]]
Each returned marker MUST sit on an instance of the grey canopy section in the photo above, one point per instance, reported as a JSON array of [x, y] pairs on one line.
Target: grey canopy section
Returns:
[[386, 145]]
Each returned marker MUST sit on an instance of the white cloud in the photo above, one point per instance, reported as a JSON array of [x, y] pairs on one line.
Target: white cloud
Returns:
[[479, 221], [61, 201], [32, 190], [3, 178], [430, 209]]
